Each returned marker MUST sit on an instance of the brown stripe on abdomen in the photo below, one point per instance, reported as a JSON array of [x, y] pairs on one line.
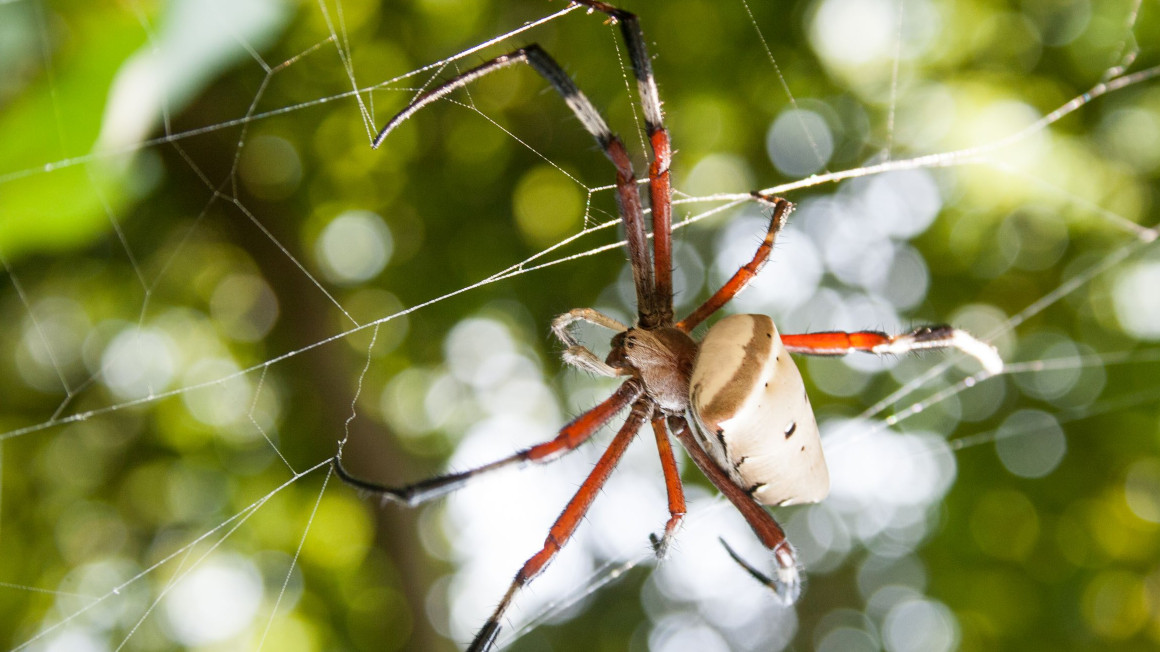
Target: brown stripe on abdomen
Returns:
[[756, 350]]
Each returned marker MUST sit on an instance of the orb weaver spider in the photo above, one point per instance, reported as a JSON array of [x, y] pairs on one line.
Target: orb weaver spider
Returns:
[[735, 400]]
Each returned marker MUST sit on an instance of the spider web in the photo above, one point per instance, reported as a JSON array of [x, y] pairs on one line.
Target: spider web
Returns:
[[198, 318]]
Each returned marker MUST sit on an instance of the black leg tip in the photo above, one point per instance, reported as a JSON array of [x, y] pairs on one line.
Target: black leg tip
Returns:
[[485, 639], [386, 493], [786, 581], [660, 545]]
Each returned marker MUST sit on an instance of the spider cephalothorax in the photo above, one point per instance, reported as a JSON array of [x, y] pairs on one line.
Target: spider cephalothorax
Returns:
[[736, 401], [662, 358]]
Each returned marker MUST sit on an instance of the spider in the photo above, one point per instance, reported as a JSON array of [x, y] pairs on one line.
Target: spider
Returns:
[[735, 400]]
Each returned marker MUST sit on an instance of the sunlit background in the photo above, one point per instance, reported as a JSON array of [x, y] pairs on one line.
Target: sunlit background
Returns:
[[210, 280]]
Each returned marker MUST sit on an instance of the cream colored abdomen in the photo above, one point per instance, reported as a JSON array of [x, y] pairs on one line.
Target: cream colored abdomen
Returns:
[[750, 405]]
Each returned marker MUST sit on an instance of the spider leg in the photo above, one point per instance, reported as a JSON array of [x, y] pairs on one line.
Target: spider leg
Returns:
[[676, 492], [627, 197], [567, 522], [781, 210], [787, 581], [919, 339], [754, 571], [561, 323], [570, 437], [659, 182], [578, 355]]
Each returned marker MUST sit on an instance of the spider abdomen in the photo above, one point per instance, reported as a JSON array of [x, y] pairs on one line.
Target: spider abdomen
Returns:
[[750, 405]]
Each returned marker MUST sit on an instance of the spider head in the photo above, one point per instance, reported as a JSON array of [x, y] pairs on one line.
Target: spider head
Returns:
[[662, 359]]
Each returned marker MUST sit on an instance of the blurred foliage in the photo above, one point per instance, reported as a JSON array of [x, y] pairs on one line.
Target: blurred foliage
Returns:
[[192, 235]]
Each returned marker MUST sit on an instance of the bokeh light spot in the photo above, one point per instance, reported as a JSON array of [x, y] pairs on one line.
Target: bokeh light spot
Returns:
[[852, 32], [1030, 443], [341, 533], [1134, 135], [52, 338], [799, 142], [718, 173], [75, 639], [139, 362], [244, 307], [1142, 489], [548, 205], [900, 204], [1137, 301], [216, 601], [882, 481], [1114, 604], [847, 639], [920, 626], [354, 247], [270, 167], [226, 400]]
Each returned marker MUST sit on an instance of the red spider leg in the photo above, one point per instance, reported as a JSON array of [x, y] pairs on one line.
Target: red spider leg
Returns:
[[781, 210], [570, 437], [567, 522], [627, 197], [659, 182], [660, 196], [922, 338], [676, 492], [786, 584]]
